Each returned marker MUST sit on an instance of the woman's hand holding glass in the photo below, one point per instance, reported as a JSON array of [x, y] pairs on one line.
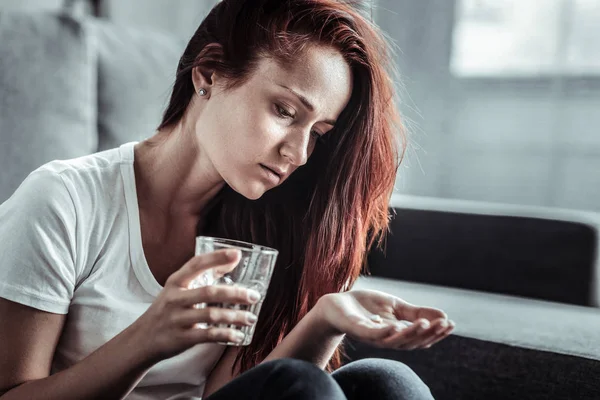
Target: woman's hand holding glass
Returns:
[[169, 326], [384, 320]]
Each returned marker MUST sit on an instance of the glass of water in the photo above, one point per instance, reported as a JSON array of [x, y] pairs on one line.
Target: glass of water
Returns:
[[253, 271]]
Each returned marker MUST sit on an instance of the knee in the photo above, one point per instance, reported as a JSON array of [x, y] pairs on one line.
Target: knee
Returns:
[[293, 368], [376, 369], [384, 377], [301, 379]]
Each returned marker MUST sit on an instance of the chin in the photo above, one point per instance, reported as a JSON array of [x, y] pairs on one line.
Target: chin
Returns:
[[254, 195], [250, 190]]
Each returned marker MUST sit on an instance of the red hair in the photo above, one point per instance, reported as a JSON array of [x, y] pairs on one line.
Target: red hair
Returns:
[[330, 211]]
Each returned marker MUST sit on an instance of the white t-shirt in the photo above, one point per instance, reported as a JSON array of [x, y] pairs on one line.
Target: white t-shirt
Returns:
[[70, 243]]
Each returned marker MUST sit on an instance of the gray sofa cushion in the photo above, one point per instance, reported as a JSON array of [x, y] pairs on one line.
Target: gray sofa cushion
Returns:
[[516, 321], [136, 71], [48, 102]]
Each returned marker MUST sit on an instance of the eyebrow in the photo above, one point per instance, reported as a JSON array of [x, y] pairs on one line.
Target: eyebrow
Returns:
[[307, 103]]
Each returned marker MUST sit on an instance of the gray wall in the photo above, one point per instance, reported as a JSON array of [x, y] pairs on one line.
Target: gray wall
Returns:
[[529, 141]]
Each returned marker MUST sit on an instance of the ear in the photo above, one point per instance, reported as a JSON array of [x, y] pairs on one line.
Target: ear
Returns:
[[203, 79], [204, 76]]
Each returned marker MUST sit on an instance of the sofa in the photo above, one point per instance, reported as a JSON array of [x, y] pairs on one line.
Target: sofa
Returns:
[[520, 282]]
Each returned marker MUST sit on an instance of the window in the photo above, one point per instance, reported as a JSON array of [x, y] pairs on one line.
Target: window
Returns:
[[513, 38]]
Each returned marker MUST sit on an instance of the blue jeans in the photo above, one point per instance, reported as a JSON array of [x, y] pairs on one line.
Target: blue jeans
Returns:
[[290, 379]]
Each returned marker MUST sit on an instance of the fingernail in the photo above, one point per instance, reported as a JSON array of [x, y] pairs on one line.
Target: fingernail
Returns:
[[239, 336], [253, 295], [443, 326], [251, 318], [424, 325], [232, 253]]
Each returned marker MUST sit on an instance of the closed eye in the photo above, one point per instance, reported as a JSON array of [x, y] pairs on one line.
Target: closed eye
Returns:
[[282, 112]]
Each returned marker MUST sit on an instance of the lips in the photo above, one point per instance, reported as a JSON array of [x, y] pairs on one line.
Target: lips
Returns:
[[279, 174], [270, 174]]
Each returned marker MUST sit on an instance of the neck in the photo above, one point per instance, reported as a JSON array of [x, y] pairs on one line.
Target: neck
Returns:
[[173, 174]]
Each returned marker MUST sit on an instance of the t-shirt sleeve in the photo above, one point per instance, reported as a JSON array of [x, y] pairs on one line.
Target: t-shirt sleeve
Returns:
[[37, 244]]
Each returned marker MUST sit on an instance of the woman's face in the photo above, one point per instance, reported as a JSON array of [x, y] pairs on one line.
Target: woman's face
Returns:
[[260, 132]]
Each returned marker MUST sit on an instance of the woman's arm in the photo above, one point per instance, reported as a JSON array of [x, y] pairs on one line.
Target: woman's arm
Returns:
[[28, 344], [312, 339], [370, 316], [166, 329]]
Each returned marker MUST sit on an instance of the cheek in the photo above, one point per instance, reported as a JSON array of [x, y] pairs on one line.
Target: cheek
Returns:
[[260, 135], [229, 129], [245, 134]]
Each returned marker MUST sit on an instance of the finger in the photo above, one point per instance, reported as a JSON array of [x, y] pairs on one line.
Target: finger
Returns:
[[431, 313], [369, 331], [393, 329], [443, 335], [401, 326], [214, 315], [433, 333], [427, 333], [400, 336], [426, 330], [213, 334], [397, 339], [223, 260], [404, 310], [218, 294]]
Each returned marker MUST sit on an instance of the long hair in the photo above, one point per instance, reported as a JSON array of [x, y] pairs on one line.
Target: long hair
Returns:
[[335, 207]]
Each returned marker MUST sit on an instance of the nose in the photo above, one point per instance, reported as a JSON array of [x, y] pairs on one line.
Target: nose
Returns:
[[297, 147]]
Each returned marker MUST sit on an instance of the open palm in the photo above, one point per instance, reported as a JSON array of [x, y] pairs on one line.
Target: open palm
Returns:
[[385, 320]]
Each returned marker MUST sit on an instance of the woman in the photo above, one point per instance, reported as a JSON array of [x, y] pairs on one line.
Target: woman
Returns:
[[280, 131]]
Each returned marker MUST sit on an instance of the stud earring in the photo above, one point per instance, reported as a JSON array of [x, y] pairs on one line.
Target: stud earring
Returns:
[[202, 92]]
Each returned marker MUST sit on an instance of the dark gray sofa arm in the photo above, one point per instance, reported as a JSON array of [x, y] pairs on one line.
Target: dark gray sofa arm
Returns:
[[534, 252]]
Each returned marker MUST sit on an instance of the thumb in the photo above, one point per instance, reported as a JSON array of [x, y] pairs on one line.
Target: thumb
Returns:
[[404, 310], [411, 312], [431, 313]]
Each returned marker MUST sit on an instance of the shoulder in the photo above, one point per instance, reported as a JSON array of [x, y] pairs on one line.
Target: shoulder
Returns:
[[42, 190], [94, 166], [66, 187]]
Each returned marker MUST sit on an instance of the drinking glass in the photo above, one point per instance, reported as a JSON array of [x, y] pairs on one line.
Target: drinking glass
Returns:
[[253, 271]]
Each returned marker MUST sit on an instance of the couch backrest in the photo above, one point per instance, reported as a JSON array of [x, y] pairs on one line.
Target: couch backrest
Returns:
[[136, 71], [72, 86], [534, 252], [47, 93]]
